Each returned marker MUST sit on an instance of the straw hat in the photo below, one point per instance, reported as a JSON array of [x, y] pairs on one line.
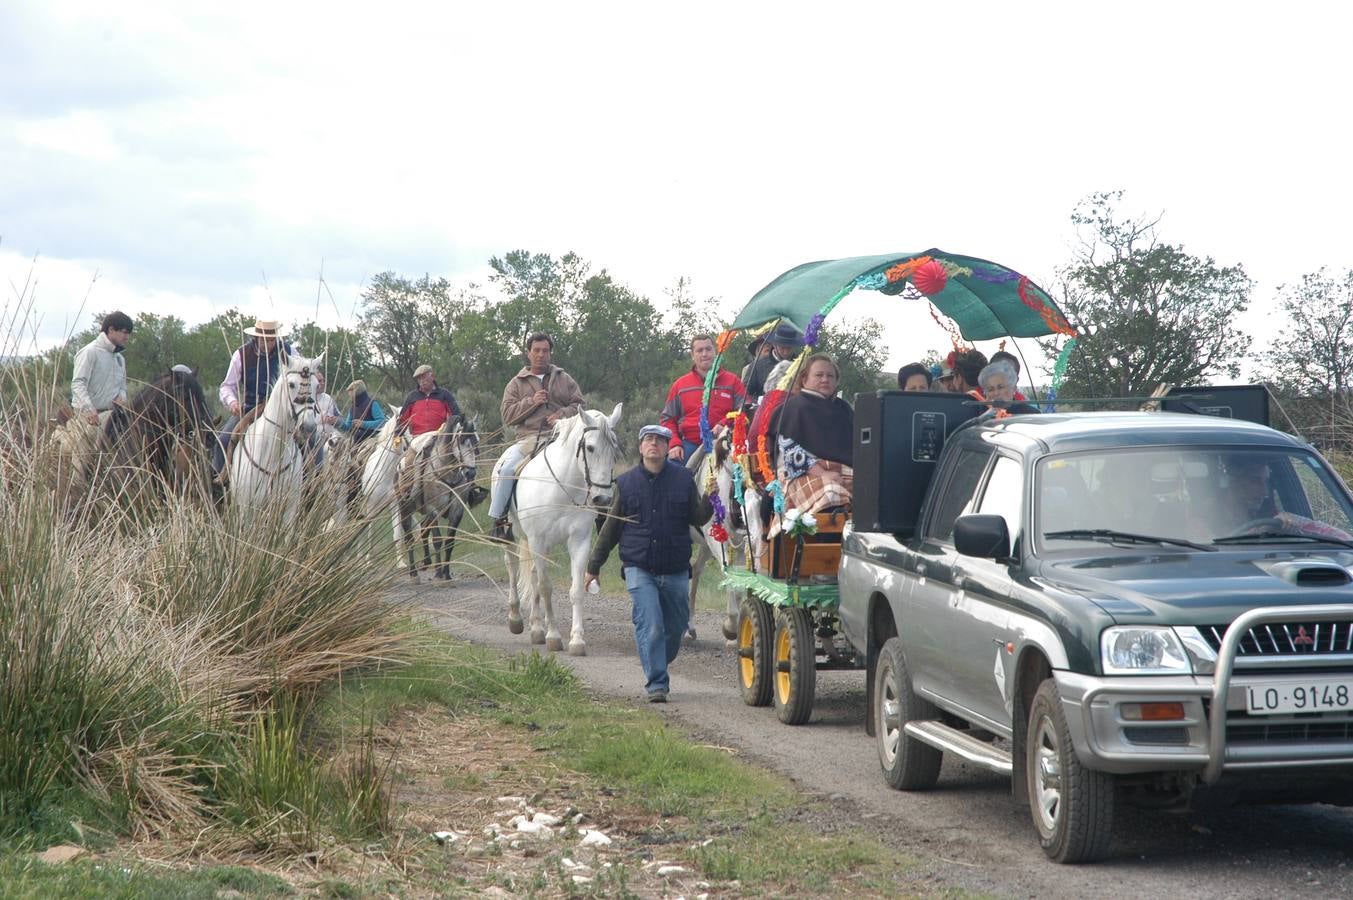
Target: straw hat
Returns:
[[266, 328]]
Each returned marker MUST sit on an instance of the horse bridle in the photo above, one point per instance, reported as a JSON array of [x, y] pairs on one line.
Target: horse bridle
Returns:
[[305, 399], [580, 451]]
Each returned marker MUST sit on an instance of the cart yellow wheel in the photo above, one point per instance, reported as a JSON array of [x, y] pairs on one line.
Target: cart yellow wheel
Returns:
[[756, 626], [795, 666]]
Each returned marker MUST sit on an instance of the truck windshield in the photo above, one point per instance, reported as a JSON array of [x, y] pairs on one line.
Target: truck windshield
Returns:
[[1190, 494]]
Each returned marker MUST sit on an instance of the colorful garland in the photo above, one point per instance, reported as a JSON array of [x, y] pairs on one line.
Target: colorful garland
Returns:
[[1053, 319], [1059, 374]]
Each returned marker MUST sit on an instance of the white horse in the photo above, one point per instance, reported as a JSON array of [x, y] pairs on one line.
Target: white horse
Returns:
[[378, 472], [706, 546], [266, 465], [559, 493]]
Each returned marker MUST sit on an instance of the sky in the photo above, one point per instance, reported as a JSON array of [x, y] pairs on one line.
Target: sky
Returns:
[[189, 158]]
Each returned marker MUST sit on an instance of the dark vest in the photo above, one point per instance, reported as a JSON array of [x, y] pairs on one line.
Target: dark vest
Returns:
[[257, 374], [656, 535]]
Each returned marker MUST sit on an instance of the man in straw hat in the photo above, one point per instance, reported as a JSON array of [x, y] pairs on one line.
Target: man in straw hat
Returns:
[[254, 367]]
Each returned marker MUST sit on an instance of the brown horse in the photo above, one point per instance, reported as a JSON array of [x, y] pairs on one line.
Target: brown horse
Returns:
[[166, 433]]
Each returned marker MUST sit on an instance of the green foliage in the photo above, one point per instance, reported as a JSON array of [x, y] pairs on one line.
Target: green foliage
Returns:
[[1312, 354], [24, 876], [858, 350], [1147, 312]]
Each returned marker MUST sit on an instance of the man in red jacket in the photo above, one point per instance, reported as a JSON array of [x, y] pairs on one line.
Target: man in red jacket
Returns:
[[681, 413], [428, 406]]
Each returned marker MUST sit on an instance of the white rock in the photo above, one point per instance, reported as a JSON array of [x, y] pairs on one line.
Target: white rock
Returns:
[[519, 801], [664, 871], [445, 837], [577, 819], [582, 879], [594, 839], [546, 820]]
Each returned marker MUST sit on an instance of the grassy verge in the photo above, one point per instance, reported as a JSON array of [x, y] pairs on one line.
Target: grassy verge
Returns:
[[728, 822]]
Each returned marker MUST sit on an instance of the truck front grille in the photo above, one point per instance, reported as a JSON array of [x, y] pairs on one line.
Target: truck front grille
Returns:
[[1288, 638]]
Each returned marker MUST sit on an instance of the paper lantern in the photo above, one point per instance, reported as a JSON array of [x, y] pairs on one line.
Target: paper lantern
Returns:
[[930, 278]]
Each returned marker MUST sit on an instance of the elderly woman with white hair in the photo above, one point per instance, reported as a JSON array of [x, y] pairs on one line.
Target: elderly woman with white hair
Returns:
[[997, 383]]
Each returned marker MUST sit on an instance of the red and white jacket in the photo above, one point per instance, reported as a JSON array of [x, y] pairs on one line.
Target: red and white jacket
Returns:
[[681, 412]]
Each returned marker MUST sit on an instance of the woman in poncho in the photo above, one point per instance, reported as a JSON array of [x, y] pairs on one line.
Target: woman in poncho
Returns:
[[815, 429]]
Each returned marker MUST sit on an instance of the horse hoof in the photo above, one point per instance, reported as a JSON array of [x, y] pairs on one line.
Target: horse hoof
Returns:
[[515, 625], [730, 629], [537, 636], [578, 649], [731, 644], [554, 644], [690, 635]]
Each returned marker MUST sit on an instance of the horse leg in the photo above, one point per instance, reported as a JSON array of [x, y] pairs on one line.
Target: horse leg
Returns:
[[702, 558], [515, 575], [578, 543], [450, 528], [545, 596], [404, 537]]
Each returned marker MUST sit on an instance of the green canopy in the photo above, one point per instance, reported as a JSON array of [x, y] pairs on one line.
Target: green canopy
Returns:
[[982, 297]]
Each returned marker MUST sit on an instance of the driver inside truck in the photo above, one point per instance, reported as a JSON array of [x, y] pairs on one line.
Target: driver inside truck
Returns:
[[1245, 495]]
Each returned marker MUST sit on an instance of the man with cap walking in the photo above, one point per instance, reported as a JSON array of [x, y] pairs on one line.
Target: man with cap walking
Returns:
[[785, 341], [656, 504], [428, 406]]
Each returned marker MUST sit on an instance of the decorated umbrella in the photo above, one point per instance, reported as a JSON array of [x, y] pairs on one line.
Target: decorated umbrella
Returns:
[[983, 299]]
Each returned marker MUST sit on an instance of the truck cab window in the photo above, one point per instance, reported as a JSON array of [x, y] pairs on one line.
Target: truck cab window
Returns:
[[1004, 495], [958, 494]]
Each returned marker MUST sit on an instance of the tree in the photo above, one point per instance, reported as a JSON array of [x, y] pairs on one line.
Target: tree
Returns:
[[1147, 312], [396, 318], [858, 351], [1312, 356]]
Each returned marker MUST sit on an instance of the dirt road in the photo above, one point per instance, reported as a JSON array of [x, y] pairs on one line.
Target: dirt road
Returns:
[[967, 831]]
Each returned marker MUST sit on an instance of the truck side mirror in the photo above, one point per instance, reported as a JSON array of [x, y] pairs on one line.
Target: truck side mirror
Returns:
[[982, 536]]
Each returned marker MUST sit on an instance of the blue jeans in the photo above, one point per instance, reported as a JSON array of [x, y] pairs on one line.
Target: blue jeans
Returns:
[[688, 447], [500, 490], [661, 613]]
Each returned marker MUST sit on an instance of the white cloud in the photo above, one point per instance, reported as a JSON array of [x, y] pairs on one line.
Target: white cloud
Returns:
[[190, 152]]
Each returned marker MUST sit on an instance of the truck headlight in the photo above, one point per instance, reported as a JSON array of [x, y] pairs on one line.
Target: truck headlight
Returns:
[[1143, 650]]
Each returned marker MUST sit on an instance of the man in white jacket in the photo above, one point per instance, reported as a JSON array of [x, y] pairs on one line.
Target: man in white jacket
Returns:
[[100, 378]]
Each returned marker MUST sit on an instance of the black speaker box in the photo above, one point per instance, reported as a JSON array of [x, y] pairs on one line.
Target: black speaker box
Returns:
[[1248, 402], [898, 438]]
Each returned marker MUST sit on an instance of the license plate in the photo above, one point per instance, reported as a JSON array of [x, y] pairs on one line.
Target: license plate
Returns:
[[1313, 695]]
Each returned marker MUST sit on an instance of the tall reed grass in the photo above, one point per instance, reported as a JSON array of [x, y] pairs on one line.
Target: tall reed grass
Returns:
[[159, 656]]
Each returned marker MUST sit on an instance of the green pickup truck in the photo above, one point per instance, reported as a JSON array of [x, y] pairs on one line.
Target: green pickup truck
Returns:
[[1108, 607]]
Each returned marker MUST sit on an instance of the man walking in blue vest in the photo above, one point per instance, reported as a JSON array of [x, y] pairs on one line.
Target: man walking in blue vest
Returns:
[[656, 504]]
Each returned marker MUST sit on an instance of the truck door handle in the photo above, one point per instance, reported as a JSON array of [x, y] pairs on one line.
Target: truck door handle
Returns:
[[920, 567]]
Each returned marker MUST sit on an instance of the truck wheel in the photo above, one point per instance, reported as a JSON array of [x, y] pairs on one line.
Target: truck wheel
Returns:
[[1072, 806], [755, 626], [908, 764], [795, 666]]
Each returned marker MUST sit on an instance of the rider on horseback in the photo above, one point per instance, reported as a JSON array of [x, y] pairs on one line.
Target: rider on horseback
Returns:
[[99, 381], [254, 368], [537, 397], [429, 405]]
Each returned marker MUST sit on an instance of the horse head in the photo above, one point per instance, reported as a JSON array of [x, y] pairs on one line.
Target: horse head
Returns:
[[598, 447], [458, 449], [301, 384]]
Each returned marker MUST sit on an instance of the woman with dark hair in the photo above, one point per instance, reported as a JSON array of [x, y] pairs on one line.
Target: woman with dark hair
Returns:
[[365, 416], [913, 377], [815, 429]]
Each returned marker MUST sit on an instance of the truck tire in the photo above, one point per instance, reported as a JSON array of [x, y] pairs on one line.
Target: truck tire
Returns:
[[756, 625], [908, 764], [1072, 806], [795, 666]]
